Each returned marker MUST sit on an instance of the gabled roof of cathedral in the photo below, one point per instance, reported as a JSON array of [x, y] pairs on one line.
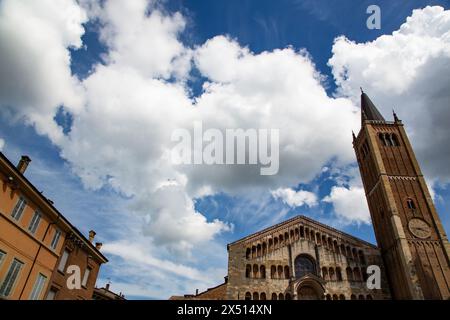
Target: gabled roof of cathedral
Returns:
[[368, 109], [305, 219]]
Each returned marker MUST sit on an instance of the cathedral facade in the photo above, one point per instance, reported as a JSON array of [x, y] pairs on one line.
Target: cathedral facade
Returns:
[[302, 259]]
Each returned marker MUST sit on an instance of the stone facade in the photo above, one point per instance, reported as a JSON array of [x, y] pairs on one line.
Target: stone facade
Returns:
[[302, 259]]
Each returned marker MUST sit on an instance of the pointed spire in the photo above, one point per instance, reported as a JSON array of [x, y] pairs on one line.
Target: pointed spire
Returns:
[[368, 109], [396, 119]]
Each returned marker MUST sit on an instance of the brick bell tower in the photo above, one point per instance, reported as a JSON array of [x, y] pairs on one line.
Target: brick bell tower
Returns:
[[413, 244]]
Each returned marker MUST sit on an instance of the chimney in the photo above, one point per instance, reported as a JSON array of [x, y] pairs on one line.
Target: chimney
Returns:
[[107, 286], [196, 292], [23, 164], [98, 245], [91, 235]]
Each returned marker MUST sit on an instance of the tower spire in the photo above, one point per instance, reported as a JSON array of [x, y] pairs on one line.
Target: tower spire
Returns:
[[368, 109]]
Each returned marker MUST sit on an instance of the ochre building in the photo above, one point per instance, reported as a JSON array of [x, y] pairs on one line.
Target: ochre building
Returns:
[[302, 259], [38, 244]]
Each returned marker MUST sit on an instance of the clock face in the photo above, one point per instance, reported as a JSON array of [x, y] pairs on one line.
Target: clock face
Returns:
[[419, 228]]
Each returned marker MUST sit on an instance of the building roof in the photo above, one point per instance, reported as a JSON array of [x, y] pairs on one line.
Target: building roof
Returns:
[[368, 109], [305, 219], [50, 205], [106, 294]]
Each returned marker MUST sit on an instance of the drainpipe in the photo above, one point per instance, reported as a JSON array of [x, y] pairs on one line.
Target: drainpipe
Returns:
[[37, 254]]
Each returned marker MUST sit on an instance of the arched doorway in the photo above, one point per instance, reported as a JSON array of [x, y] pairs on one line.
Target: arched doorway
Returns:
[[307, 292]]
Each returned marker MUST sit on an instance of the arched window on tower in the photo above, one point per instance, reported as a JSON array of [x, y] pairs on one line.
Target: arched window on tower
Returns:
[[274, 296], [248, 296], [255, 296], [410, 203], [394, 140], [304, 264], [263, 296], [264, 248]]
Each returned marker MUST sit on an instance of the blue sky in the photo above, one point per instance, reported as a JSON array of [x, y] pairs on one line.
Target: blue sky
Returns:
[[64, 170]]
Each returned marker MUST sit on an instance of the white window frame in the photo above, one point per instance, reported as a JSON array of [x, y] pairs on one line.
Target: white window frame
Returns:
[[63, 261], [38, 287], [19, 208], [55, 239], [35, 221], [11, 278], [2, 256]]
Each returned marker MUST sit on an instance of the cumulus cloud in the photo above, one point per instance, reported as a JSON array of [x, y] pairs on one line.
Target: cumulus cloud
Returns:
[[350, 205], [408, 70], [295, 198], [35, 61]]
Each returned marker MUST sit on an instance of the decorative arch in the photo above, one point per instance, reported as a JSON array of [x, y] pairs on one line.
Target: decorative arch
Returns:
[[262, 271], [248, 271], [248, 296], [273, 272]]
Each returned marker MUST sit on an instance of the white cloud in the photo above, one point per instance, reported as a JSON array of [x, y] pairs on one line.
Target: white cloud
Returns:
[[350, 205], [2, 144], [295, 198], [35, 61], [408, 70], [145, 42]]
